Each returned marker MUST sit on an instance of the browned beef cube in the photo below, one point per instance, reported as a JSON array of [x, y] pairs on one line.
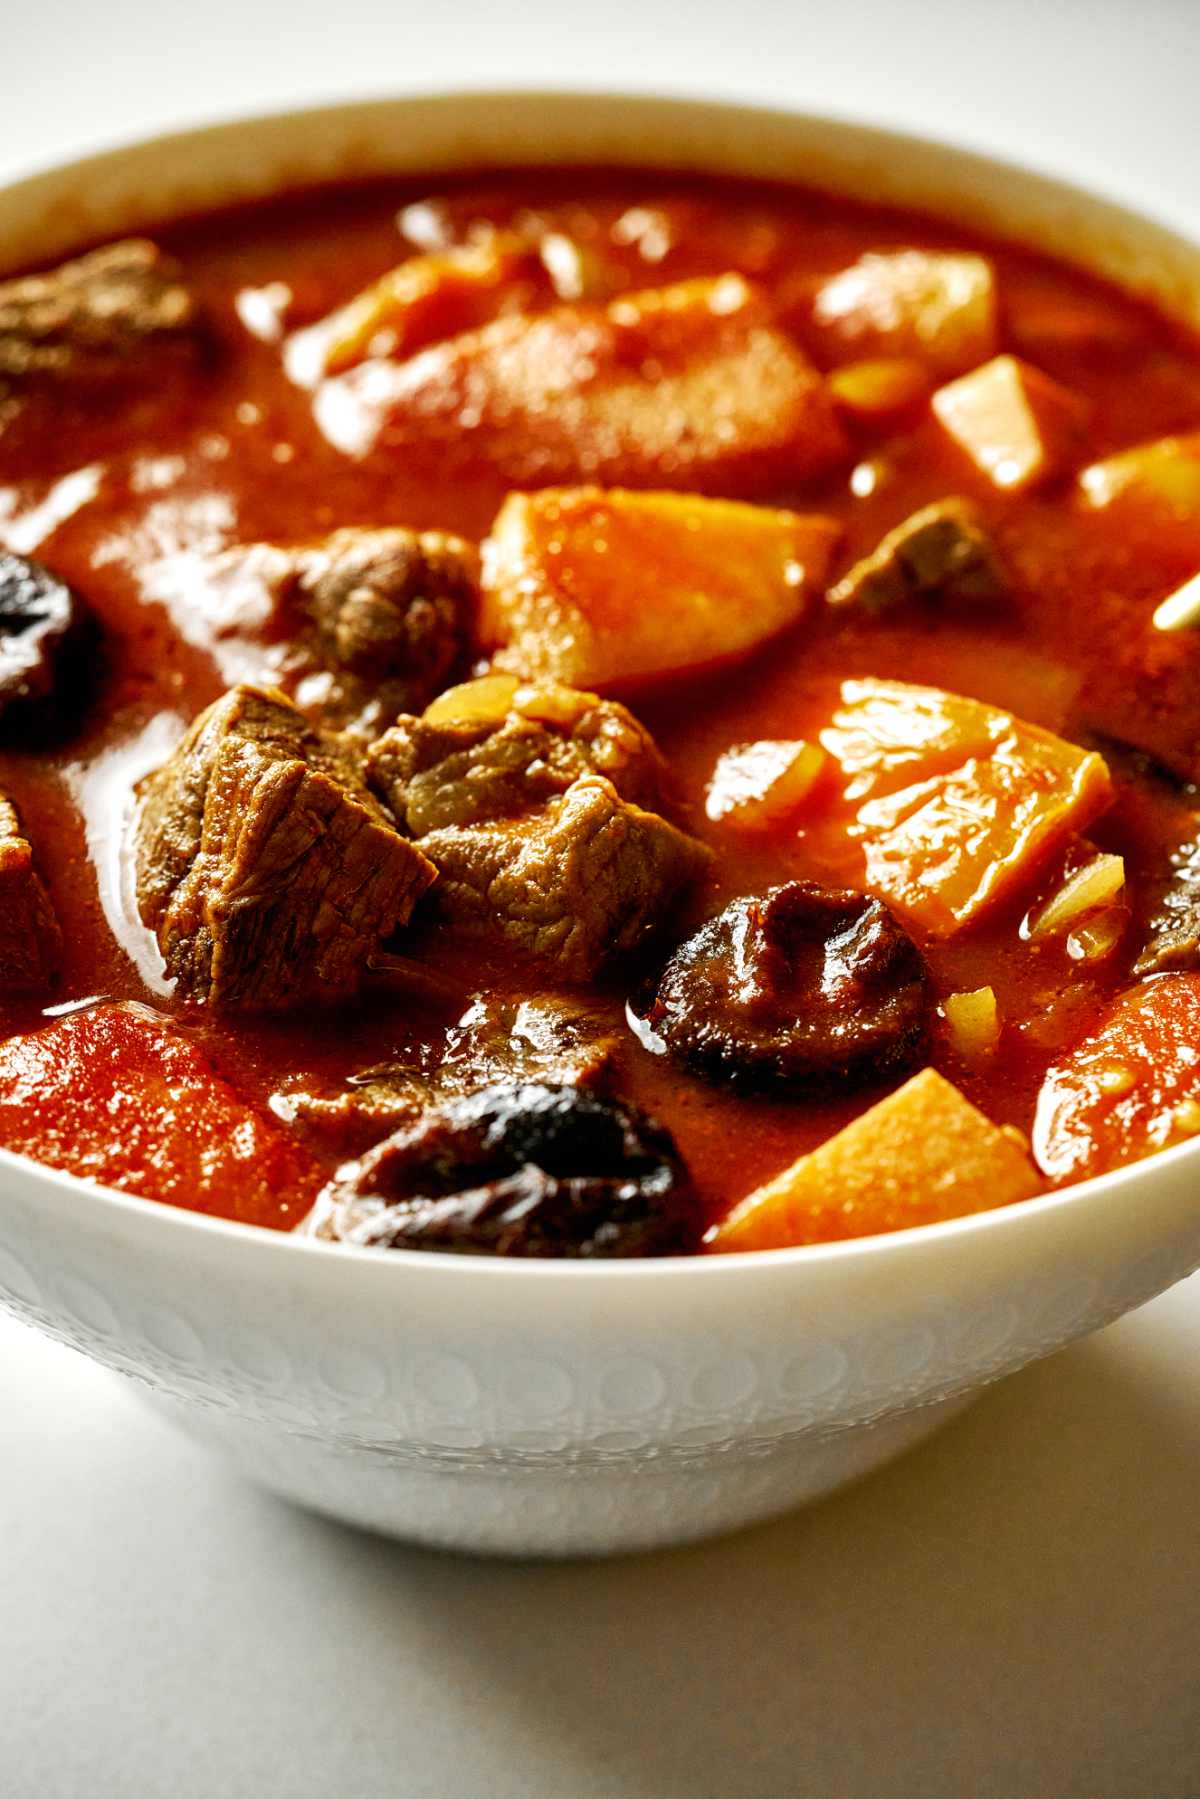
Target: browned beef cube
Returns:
[[372, 622], [531, 801], [942, 552], [494, 748], [586, 876], [88, 319], [267, 870], [30, 940]]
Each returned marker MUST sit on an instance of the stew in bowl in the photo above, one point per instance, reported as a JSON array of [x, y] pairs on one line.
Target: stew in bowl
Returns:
[[594, 713]]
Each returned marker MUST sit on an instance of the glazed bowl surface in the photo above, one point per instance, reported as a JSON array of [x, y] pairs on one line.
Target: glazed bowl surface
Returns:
[[564, 1408]]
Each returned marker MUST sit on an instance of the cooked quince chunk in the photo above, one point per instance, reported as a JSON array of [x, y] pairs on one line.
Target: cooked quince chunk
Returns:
[[1153, 487], [756, 786], [420, 301], [938, 308], [920, 1156], [955, 804], [1132, 1087], [1017, 425], [690, 386], [602, 589]]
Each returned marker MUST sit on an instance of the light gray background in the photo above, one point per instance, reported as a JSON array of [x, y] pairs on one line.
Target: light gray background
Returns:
[[1013, 1612]]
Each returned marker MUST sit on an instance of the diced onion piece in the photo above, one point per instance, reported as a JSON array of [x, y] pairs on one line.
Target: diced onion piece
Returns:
[[426, 224], [757, 785], [1097, 936], [576, 273], [483, 701], [1090, 888], [880, 386], [1181, 611], [973, 1022], [549, 702]]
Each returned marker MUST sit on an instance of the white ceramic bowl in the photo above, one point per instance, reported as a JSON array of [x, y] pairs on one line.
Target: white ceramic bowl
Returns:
[[557, 1408]]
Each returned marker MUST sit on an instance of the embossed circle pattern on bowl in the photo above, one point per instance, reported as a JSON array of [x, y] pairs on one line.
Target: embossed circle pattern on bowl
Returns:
[[566, 1408]]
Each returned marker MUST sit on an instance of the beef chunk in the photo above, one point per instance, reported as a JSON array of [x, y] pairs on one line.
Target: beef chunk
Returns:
[[30, 940], [803, 989], [498, 1041], [1173, 939], [525, 1170], [942, 552], [393, 612], [90, 319], [361, 626], [494, 749], [586, 877], [44, 630], [531, 819], [268, 872]]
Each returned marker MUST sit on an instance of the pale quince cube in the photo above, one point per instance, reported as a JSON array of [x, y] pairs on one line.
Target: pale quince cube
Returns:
[[1015, 424], [939, 308]]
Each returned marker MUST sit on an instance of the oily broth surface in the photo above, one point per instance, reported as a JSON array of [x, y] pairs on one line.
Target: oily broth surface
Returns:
[[229, 453]]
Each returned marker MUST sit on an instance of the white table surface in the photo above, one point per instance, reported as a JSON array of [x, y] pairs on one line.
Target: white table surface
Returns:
[[1011, 1613]]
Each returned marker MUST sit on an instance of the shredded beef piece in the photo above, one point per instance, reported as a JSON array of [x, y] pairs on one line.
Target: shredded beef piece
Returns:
[[803, 989], [528, 1170], [30, 939], [942, 552], [89, 319], [267, 870]]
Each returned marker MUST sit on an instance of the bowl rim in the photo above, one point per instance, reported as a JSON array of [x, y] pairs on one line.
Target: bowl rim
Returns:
[[637, 109]]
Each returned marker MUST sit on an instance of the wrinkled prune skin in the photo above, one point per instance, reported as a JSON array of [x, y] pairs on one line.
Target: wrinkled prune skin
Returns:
[[802, 990], [525, 1170], [44, 629]]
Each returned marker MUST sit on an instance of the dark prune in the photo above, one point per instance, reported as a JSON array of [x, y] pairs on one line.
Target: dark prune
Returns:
[[526, 1170], [802, 989], [44, 628]]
